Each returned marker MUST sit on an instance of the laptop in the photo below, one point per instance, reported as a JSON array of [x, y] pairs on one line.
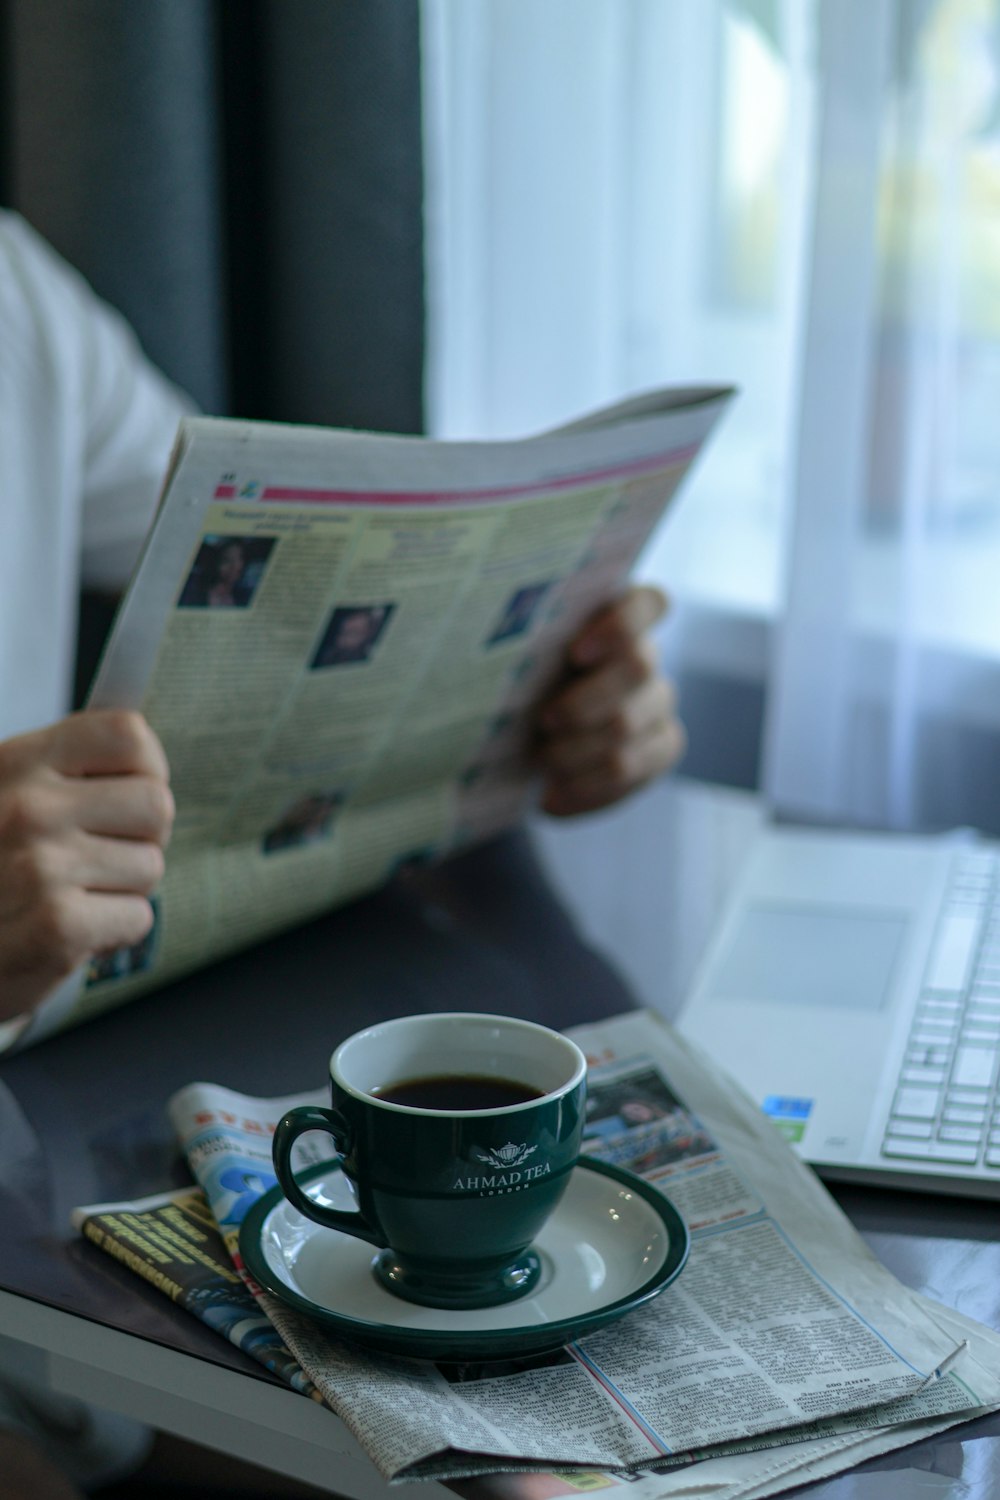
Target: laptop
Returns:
[[853, 988]]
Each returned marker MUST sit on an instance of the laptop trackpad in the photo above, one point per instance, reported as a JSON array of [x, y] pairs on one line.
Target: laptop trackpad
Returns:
[[811, 955]]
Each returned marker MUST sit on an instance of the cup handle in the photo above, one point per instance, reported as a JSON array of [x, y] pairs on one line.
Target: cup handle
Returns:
[[295, 1123]]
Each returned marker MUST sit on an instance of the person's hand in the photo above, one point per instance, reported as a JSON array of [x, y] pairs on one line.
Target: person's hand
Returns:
[[85, 814], [612, 726]]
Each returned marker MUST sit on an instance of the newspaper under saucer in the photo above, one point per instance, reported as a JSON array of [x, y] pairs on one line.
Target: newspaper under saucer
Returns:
[[613, 1243]]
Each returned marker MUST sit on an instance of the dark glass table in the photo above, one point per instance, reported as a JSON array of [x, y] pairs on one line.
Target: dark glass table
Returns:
[[82, 1120]]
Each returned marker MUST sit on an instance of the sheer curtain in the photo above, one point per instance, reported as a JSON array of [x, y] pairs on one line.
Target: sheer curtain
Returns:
[[884, 687], [800, 196]]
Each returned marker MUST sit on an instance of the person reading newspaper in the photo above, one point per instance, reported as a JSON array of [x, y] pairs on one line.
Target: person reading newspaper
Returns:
[[85, 801]]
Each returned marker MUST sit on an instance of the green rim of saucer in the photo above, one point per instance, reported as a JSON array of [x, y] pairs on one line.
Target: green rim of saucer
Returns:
[[498, 1343]]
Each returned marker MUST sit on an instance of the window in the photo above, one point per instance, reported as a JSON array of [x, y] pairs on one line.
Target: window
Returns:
[[801, 197]]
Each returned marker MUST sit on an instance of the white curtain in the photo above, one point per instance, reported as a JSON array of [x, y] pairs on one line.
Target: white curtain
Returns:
[[803, 197]]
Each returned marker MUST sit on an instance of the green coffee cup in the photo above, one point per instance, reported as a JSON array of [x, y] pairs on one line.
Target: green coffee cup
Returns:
[[458, 1133]]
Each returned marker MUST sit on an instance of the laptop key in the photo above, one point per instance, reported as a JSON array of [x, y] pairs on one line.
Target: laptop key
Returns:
[[974, 1067], [967, 1133], [922, 1075], [928, 1057], [936, 1151], [969, 1098], [914, 1130], [917, 1104], [938, 1008], [952, 953], [964, 1116], [992, 1157]]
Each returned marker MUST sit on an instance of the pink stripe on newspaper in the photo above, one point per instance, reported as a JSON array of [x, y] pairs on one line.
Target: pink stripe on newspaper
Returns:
[[620, 1400], [289, 495]]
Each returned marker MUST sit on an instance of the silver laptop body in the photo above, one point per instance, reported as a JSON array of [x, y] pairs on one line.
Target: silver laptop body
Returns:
[[853, 988]]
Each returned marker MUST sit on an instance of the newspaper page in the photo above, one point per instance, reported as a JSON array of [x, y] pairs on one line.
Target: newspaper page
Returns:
[[172, 1241], [153, 1240], [338, 638], [783, 1344]]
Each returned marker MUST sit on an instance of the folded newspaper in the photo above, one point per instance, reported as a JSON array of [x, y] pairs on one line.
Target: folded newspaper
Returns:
[[784, 1352], [338, 637]]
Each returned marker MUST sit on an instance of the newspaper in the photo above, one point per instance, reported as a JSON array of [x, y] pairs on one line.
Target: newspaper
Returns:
[[784, 1351], [172, 1240], [338, 637]]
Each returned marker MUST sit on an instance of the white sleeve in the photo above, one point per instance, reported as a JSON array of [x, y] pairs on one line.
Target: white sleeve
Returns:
[[132, 416], [123, 411]]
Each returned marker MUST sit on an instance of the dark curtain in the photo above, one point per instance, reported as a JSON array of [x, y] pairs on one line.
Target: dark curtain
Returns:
[[242, 178]]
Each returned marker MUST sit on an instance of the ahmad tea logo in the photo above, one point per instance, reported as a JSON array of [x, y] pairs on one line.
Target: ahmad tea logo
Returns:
[[508, 1178], [508, 1156]]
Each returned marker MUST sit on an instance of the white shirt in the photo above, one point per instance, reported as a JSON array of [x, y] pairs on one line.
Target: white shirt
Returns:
[[86, 428]]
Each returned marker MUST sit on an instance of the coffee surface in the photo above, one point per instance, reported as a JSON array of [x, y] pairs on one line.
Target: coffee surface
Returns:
[[458, 1091]]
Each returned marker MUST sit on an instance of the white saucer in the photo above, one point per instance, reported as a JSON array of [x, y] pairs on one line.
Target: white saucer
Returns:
[[612, 1243]]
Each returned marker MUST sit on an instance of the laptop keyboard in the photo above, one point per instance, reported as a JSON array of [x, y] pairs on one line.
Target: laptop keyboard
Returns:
[[947, 1104]]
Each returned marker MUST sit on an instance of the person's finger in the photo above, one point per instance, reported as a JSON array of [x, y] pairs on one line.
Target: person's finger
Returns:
[[48, 806], [623, 772], [106, 742], [122, 807], [115, 920], [592, 698], [649, 705], [55, 937], [43, 871], [617, 625], [127, 866]]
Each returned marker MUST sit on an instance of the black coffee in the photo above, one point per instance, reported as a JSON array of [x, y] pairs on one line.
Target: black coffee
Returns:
[[458, 1091]]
